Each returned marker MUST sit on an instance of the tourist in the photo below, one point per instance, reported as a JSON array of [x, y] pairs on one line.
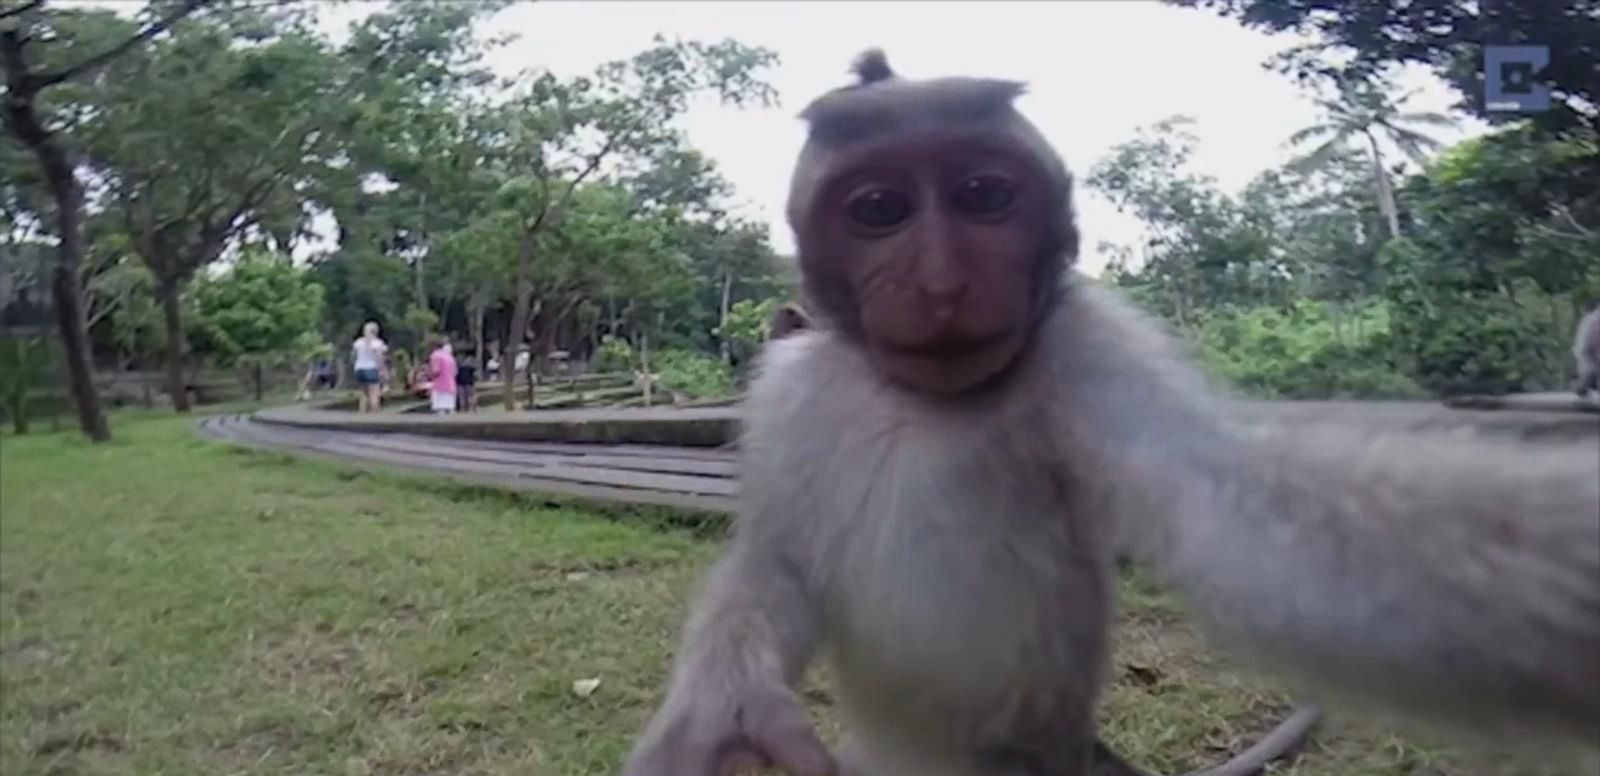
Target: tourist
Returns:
[[370, 356], [467, 382], [442, 367]]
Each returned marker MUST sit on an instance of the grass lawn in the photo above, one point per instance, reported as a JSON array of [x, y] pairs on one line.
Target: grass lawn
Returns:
[[173, 605]]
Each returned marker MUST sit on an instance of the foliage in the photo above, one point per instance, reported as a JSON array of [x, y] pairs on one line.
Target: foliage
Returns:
[[1299, 353], [615, 355], [419, 322], [748, 324], [24, 367], [1357, 38], [692, 373], [264, 310], [1201, 247], [1291, 291], [1507, 258]]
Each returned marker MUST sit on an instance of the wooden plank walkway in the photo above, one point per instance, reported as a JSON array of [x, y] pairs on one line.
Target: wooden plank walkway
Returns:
[[699, 479], [513, 452]]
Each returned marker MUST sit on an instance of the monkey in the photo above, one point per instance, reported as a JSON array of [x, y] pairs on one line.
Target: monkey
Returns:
[[1586, 351], [787, 320], [935, 476]]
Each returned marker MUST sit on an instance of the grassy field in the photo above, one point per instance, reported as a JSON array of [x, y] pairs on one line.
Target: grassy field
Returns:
[[172, 605]]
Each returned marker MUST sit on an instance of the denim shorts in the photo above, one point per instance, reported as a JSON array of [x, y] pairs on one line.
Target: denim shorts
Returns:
[[367, 376]]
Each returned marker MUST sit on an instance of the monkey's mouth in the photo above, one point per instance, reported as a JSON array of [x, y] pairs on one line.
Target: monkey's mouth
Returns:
[[951, 346]]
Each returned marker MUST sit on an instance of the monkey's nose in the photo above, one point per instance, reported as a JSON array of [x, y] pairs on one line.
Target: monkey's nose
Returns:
[[942, 292]]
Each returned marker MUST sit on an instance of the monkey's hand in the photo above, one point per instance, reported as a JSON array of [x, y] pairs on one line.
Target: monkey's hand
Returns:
[[714, 728]]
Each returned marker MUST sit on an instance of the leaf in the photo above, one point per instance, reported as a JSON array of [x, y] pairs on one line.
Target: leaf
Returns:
[[584, 688]]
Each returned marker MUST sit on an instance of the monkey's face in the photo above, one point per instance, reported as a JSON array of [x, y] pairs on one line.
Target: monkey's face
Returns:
[[937, 242]]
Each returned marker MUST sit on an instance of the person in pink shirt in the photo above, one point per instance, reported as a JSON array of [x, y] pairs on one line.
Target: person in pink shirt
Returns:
[[442, 368]]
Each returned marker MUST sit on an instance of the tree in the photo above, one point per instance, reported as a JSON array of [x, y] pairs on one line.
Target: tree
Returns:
[[263, 312], [1362, 111], [1359, 39], [77, 53], [197, 135], [1201, 247], [1486, 290], [558, 134]]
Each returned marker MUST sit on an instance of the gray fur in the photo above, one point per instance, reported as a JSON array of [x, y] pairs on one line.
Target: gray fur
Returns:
[[1450, 577], [872, 66]]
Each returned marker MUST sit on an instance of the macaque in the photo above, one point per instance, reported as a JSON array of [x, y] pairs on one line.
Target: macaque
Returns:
[[787, 320], [1586, 350], [935, 478]]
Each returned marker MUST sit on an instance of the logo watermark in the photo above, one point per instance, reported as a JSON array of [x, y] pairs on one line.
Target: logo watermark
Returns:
[[1509, 79]]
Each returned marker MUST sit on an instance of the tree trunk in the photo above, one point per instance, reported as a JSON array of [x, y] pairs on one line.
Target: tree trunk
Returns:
[[19, 414], [722, 317], [172, 317], [1386, 200], [523, 297], [258, 378], [65, 283], [475, 315], [644, 364]]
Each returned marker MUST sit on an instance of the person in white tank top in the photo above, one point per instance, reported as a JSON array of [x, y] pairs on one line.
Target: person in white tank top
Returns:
[[369, 357]]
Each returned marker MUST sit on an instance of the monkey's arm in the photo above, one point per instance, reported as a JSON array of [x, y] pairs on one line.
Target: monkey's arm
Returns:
[[751, 631], [1452, 579], [753, 618], [1448, 576], [751, 622], [731, 698]]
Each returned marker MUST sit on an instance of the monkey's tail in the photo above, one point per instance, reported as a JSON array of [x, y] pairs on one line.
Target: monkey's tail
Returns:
[[1283, 741]]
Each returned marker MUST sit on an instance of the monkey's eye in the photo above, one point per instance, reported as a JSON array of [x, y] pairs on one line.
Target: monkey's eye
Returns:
[[984, 195], [879, 209]]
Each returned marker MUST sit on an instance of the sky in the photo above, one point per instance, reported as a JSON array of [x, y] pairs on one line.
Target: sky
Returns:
[[1096, 71]]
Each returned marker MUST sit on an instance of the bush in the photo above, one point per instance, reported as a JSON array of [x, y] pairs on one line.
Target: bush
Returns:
[[692, 373], [615, 355], [1309, 351]]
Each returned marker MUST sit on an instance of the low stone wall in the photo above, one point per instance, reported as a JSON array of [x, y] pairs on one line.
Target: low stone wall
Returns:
[[677, 427]]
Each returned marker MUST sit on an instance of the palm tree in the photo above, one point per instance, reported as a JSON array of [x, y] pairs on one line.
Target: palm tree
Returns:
[[1362, 112]]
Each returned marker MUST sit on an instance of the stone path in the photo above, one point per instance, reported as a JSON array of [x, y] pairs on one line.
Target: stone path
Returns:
[[681, 477]]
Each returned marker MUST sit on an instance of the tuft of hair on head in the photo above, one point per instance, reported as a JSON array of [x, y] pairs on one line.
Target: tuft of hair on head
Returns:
[[872, 66]]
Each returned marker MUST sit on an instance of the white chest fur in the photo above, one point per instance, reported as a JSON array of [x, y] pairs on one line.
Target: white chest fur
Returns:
[[945, 543]]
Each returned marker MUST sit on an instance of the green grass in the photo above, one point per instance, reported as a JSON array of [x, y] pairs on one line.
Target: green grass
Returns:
[[173, 605]]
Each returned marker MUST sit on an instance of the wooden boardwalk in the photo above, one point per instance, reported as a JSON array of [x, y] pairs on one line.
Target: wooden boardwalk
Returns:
[[567, 452], [680, 477]]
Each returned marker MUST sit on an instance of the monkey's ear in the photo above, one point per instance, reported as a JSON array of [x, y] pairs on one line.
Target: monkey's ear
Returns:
[[872, 66]]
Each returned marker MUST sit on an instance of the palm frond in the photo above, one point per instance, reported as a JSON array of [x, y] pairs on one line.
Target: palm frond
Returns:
[[1415, 145], [1312, 132], [1425, 118], [1319, 156]]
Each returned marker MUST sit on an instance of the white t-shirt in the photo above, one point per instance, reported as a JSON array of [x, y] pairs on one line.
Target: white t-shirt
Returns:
[[368, 353]]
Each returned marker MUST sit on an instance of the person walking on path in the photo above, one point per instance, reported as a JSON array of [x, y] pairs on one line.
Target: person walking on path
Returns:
[[369, 356], [467, 382], [442, 367]]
